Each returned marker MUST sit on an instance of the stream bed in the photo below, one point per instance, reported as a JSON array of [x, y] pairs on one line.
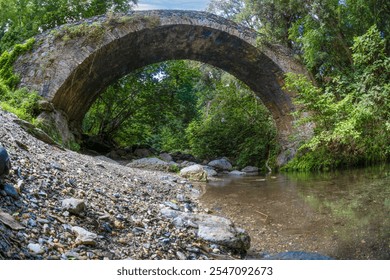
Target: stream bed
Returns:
[[341, 215]]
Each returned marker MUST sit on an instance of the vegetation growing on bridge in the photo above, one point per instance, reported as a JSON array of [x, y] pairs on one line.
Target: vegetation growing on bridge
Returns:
[[94, 32], [20, 102]]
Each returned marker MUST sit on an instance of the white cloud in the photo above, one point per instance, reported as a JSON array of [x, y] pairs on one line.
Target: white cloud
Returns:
[[172, 4], [143, 7]]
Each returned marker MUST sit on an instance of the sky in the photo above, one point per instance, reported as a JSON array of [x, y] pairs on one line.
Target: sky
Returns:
[[199, 5]]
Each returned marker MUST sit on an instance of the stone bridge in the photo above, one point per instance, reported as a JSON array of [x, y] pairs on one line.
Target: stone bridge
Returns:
[[72, 64]]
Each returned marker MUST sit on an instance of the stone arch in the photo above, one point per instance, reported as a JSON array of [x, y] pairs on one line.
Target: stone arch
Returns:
[[72, 64]]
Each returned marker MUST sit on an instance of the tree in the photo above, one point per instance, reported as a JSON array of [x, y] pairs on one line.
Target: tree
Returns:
[[150, 106], [326, 33], [233, 123], [351, 112], [22, 19]]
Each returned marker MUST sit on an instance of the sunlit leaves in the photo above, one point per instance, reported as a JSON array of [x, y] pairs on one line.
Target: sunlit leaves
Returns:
[[351, 113]]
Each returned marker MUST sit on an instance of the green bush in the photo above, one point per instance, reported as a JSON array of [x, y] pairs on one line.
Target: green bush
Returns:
[[7, 59], [351, 113], [21, 102]]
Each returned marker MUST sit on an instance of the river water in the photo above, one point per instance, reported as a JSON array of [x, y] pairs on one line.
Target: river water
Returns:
[[343, 215]]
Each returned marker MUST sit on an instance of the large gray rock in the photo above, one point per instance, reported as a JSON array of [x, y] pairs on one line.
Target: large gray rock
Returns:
[[187, 163], [73, 205], [150, 163], [211, 228], [194, 172], [221, 164], [36, 132], [210, 171]]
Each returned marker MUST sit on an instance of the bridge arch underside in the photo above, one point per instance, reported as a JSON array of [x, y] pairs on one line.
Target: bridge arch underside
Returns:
[[138, 49]]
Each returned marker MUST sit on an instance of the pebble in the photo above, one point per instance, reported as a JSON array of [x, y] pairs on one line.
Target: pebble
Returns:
[[32, 223], [36, 248], [181, 255], [172, 205], [20, 185], [84, 237], [43, 221], [46, 228]]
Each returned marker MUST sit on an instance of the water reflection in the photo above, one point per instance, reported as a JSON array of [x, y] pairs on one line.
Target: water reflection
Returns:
[[342, 214]]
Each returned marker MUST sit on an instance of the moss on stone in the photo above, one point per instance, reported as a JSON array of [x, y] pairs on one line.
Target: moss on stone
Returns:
[[91, 32], [7, 76]]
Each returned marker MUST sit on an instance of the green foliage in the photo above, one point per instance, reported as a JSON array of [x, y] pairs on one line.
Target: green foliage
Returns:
[[320, 32], [21, 102], [7, 59], [351, 114], [234, 124], [343, 45], [150, 106], [325, 34]]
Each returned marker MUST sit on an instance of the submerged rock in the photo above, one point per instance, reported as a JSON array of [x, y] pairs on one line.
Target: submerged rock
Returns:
[[236, 173]]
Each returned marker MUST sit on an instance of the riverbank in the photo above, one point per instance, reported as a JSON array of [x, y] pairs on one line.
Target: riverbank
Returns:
[[58, 204]]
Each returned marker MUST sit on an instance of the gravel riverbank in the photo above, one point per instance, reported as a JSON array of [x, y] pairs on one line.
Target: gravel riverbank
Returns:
[[58, 204]]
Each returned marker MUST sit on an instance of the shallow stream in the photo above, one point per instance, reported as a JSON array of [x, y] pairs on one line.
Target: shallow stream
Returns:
[[343, 215]]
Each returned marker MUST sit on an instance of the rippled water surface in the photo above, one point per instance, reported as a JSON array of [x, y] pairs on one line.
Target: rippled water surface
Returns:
[[344, 215]]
